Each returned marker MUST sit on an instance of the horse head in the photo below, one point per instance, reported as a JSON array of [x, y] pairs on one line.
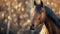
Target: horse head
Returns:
[[39, 14]]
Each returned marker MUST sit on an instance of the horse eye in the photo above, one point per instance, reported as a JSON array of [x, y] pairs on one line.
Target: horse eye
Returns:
[[38, 18]]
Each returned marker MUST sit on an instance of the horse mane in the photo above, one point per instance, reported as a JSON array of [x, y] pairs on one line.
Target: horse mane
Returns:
[[51, 20], [52, 16]]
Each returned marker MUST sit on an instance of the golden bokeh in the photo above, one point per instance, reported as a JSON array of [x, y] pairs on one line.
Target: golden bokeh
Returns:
[[18, 11]]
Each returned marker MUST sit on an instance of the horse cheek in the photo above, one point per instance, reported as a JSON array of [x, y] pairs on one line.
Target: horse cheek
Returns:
[[42, 17]]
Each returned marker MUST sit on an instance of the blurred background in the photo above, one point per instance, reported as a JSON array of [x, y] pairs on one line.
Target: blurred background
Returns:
[[15, 14]]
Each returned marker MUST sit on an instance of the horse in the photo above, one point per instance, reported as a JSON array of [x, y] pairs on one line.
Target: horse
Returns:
[[45, 15]]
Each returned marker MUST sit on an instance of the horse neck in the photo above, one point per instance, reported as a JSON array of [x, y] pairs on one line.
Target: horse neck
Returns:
[[52, 28]]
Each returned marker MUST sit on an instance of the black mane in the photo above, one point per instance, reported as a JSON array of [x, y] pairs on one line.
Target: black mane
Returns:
[[50, 14]]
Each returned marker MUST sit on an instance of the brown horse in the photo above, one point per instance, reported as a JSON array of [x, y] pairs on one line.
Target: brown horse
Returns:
[[40, 17]]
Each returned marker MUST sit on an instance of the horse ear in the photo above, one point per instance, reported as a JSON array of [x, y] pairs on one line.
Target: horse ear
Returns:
[[41, 4], [35, 3]]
